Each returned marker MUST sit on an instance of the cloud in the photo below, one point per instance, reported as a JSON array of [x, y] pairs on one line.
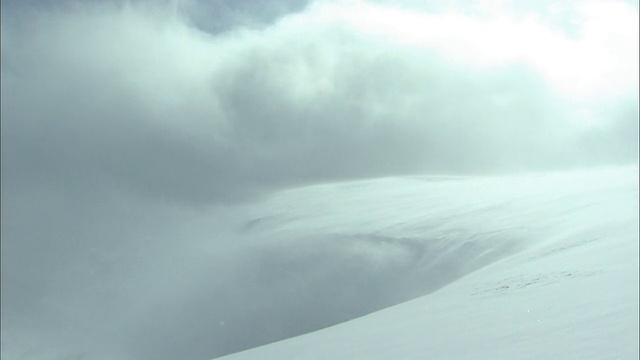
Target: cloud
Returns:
[[166, 110], [130, 133]]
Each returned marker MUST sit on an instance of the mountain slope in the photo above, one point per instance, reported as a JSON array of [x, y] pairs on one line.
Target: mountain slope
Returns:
[[516, 267]]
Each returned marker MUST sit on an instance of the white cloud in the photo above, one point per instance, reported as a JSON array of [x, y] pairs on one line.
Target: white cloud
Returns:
[[601, 60]]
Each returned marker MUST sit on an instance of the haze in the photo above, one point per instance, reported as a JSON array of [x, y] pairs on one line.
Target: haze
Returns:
[[135, 134]]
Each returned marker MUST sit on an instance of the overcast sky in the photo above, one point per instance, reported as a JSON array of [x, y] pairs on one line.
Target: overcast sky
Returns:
[[131, 128]]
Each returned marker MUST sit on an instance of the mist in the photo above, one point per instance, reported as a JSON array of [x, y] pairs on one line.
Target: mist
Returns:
[[135, 136]]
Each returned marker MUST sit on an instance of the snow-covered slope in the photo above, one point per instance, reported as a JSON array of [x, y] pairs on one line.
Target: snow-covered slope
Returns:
[[540, 266]]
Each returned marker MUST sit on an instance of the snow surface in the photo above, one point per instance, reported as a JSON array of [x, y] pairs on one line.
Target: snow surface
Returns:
[[540, 266]]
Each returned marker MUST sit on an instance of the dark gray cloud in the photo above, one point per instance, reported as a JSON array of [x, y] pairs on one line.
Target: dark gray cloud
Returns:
[[221, 16], [129, 138]]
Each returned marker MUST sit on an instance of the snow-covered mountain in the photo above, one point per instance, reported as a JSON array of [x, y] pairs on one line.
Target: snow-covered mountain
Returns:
[[540, 266], [531, 266]]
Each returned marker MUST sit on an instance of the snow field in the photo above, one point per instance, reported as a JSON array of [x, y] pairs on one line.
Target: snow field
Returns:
[[517, 267]]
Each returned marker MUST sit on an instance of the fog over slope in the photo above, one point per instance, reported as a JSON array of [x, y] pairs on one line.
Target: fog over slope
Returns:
[[137, 133]]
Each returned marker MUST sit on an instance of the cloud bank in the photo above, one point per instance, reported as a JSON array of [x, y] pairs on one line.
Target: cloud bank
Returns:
[[162, 109], [130, 130]]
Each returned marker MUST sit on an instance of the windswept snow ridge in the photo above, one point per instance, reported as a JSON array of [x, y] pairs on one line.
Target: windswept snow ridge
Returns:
[[518, 267]]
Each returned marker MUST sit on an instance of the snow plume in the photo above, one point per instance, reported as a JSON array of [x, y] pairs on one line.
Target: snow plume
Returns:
[[131, 131]]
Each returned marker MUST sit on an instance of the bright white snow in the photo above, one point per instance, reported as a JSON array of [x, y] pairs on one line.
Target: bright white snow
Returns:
[[540, 266]]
